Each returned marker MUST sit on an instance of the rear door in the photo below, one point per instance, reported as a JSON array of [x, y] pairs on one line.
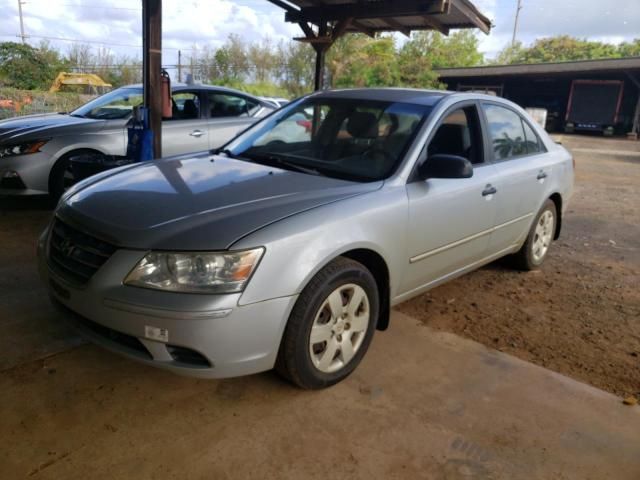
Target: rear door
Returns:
[[186, 131], [522, 169], [228, 114], [450, 220]]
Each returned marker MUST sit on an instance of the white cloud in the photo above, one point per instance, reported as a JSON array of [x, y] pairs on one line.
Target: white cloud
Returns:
[[189, 23]]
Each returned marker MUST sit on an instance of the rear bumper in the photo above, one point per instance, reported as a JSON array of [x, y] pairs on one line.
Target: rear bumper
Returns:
[[207, 336]]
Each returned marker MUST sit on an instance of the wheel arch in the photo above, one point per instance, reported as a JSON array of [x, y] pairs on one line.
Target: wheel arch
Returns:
[[556, 198], [66, 155], [374, 262]]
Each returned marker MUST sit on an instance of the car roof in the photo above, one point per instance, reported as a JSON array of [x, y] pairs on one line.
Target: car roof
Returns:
[[404, 95], [201, 86]]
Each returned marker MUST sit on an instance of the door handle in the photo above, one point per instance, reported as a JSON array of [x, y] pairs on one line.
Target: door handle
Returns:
[[541, 175], [489, 190], [197, 133]]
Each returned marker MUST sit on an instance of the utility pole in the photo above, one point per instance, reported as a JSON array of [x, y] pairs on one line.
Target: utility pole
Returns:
[[515, 23], [22, 35], [180, 65]]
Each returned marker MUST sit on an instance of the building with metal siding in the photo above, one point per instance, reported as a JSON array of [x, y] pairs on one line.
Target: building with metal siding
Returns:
[[549, 86]]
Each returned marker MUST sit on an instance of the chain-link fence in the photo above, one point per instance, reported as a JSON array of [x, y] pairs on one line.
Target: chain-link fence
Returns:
[[15, 103]]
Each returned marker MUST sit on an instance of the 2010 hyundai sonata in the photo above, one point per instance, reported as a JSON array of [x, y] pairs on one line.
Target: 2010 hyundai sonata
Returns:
[[288, 247]]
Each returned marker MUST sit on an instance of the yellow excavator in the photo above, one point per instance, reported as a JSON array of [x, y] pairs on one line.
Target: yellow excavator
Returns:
[[90, 82]]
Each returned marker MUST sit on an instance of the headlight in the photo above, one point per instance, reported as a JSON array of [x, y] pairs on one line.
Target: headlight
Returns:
[[21, 148], [195, 272]]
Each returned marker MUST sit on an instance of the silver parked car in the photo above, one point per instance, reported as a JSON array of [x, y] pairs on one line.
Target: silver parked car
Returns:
[[270, 252], [35, 149]]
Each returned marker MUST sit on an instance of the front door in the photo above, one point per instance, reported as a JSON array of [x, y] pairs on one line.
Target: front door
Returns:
[[186, 131], [450, 220]]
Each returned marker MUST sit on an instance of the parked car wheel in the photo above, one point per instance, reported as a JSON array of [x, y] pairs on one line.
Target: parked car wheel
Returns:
[[61, 176], [542, 232], [331, 326]]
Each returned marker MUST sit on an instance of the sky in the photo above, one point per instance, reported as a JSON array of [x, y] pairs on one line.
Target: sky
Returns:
[[190, 24]]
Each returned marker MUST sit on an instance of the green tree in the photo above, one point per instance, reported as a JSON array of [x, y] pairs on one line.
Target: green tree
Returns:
[[630, 49], [25, 67], [427, 51], [460, 49], [297, 68], [565, 48], [511, 54], [358, 61]]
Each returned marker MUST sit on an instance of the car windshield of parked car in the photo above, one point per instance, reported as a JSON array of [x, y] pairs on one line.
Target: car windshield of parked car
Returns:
[[114, 105], [352, 139]]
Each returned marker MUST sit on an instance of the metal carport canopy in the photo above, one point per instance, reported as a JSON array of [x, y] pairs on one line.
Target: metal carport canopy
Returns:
[[334, 18], [322, 22]]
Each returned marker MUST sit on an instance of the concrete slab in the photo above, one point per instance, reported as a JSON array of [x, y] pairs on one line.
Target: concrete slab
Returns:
[[31, 327], [422, 405]]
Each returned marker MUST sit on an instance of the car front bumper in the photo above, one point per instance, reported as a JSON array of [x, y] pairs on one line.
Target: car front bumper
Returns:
[[209, 336], [29, 174]]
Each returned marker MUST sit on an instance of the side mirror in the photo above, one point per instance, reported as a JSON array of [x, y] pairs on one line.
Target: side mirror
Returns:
[[445, 166]]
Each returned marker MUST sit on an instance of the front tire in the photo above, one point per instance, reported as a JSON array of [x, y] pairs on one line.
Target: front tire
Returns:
[[61, 176], [541, 234], [331, 326]]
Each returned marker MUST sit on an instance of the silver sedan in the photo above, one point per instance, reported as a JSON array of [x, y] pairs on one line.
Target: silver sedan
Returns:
[[287, 247], [35, 149]]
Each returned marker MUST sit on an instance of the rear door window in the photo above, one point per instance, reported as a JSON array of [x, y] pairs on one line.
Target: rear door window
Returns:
[[506, 132], [533, 142], [225, 105]]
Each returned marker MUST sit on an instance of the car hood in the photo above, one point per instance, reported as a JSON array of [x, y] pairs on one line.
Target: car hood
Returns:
[[41, 125], [201, 202]]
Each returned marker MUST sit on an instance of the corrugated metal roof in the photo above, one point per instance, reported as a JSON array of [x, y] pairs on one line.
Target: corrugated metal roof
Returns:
[[591, 66], [386, 15]]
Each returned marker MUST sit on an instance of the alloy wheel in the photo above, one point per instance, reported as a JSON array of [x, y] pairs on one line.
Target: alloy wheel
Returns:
[[339, 328], [542, 236]]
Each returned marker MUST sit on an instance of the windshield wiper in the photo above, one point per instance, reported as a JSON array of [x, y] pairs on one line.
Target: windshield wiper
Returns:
[[228, 153], [280, 160]]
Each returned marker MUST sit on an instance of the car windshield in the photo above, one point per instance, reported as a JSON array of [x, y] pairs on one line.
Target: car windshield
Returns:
[[111, 106], [352, 139]]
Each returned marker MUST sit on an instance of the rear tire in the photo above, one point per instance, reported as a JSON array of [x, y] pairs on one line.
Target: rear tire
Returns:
[[330, 327], [541, 235]]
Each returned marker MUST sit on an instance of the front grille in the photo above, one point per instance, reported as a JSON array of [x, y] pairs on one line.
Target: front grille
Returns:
[[74, 255], [128, 342]]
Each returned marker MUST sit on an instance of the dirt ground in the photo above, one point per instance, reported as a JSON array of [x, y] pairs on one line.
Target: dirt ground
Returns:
[[580, 314]]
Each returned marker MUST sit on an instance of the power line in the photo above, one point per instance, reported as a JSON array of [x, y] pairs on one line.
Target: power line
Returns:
[[78, 5]]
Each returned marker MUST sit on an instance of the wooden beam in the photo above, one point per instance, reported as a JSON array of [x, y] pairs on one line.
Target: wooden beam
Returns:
[[359, 26], [396, 25], [341, 28], [152, 66], [283, 5], [381, 9], [306, 28], [467, 10], [326, 40], [436, 25]]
